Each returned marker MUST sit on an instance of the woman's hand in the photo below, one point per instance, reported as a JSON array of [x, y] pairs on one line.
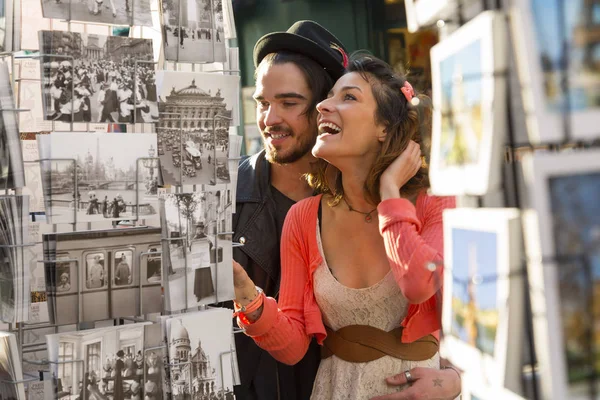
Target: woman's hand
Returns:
[[426, 383], [400, 171], [245, 290]]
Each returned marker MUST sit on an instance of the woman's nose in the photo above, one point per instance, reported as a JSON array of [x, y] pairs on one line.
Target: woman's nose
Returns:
[[325, 106]]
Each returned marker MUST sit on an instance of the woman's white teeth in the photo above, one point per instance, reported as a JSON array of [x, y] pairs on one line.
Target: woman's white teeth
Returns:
[[328, 127], [279, 135]]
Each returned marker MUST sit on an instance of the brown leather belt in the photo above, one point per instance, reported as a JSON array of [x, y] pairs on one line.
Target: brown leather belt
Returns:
[[363, 343]]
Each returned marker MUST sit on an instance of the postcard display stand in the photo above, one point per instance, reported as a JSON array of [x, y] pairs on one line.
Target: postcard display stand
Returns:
[[19, 329], [540, 144]]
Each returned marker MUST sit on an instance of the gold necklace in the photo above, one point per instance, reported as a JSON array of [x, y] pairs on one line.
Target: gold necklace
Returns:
[[368, 217]]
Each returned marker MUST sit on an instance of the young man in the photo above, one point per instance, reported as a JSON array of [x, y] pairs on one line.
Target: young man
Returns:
[[295, 70]]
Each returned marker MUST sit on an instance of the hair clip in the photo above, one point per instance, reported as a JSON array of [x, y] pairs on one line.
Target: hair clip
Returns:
[[408, 91]]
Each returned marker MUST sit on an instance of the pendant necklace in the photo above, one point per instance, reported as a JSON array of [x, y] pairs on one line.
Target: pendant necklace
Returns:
[[368, 217]]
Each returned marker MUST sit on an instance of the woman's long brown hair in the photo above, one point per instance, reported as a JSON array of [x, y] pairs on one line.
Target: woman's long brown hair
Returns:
[[403, 122]]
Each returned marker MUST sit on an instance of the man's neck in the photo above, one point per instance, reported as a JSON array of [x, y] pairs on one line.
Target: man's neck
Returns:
[[289, 180]]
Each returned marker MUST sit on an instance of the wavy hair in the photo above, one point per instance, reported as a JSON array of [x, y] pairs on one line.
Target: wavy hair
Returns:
[[403, 122]]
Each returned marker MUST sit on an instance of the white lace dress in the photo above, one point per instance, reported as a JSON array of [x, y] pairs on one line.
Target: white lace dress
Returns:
[[382, 306]]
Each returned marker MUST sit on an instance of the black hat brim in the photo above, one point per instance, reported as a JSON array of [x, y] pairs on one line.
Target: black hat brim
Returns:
[[284, 41]]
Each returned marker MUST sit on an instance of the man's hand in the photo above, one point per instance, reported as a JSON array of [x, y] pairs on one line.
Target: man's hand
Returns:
[[427, 383]]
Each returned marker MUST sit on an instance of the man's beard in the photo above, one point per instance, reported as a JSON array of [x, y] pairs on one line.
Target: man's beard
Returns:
[[301, 148]]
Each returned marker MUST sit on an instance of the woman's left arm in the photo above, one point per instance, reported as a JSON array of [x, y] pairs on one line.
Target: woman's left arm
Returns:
[[415, 248]]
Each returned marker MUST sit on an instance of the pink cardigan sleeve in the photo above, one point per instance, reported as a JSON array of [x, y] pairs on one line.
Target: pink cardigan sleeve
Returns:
[[282, 331], [413, 243]]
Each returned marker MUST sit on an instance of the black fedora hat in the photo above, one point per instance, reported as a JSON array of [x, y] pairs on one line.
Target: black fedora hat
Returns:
[[307, 38]]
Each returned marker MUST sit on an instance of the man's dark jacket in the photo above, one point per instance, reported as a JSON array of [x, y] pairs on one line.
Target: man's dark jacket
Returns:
[[254, 225]]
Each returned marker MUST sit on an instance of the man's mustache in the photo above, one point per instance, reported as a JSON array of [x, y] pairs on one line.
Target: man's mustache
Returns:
[[276, 129]]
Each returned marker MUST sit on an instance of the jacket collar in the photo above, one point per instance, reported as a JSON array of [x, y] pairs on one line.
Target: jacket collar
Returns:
[[254, 177]]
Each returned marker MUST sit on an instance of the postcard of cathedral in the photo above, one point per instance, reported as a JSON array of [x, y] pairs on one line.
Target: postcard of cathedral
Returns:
[[117, 176], [193, 30], [103, 363], [195, 113], [197, 250], [200, 354], [96, 78]]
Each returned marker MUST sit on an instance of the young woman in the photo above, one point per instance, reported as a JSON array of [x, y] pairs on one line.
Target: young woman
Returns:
[[360, 260]]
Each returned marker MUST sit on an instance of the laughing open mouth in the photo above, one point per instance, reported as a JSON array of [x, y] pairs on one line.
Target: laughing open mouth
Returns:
[[329, 127]]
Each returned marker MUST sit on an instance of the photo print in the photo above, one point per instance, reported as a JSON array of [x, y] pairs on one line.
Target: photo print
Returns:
[[198, 250], [98, 79], [11, 159], [10, 368], [483, 293], [7, 26], [92, 176], [200, 346], [38, 311], [113, 12], [102, 274], [14, 264], [33, 176], [196, 111], [474, 303], [563, 253], [155, 359], [105, 363], [469, 103], [193, 30], [558, 43], [576, 231]]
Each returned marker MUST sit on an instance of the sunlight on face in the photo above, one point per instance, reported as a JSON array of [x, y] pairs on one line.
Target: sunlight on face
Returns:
[[282, 97], [347, 127]]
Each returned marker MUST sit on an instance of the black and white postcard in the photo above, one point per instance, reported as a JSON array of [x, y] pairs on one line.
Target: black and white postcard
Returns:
[[196, 110], [113, 12], [200, 353], [155, 358], [10, 368], [11, 159], [193, 30], [106, 274], [6, 26], [197, 252], [97, 78], [104, 363], [34, 254], [98, 176], [14, 269], [33, 176]]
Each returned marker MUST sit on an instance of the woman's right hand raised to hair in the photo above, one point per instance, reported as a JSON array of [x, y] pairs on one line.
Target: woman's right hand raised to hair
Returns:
[[400, 171]]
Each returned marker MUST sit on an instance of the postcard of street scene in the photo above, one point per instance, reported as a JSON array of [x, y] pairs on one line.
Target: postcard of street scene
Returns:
[[97, 79], [99, 176], [113, 12], [193, 30]]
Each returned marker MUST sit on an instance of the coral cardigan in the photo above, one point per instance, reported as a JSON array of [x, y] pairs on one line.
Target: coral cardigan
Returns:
[[413, 239]]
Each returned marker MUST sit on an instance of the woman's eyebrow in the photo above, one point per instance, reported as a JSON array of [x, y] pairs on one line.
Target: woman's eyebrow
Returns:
[[345, 88]]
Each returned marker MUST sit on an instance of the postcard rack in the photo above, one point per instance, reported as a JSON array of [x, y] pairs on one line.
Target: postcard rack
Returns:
[[20, 329], [513, 197]]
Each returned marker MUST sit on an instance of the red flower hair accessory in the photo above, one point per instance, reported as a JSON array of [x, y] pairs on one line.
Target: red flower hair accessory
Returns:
[[409, 93], [344, 55]]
